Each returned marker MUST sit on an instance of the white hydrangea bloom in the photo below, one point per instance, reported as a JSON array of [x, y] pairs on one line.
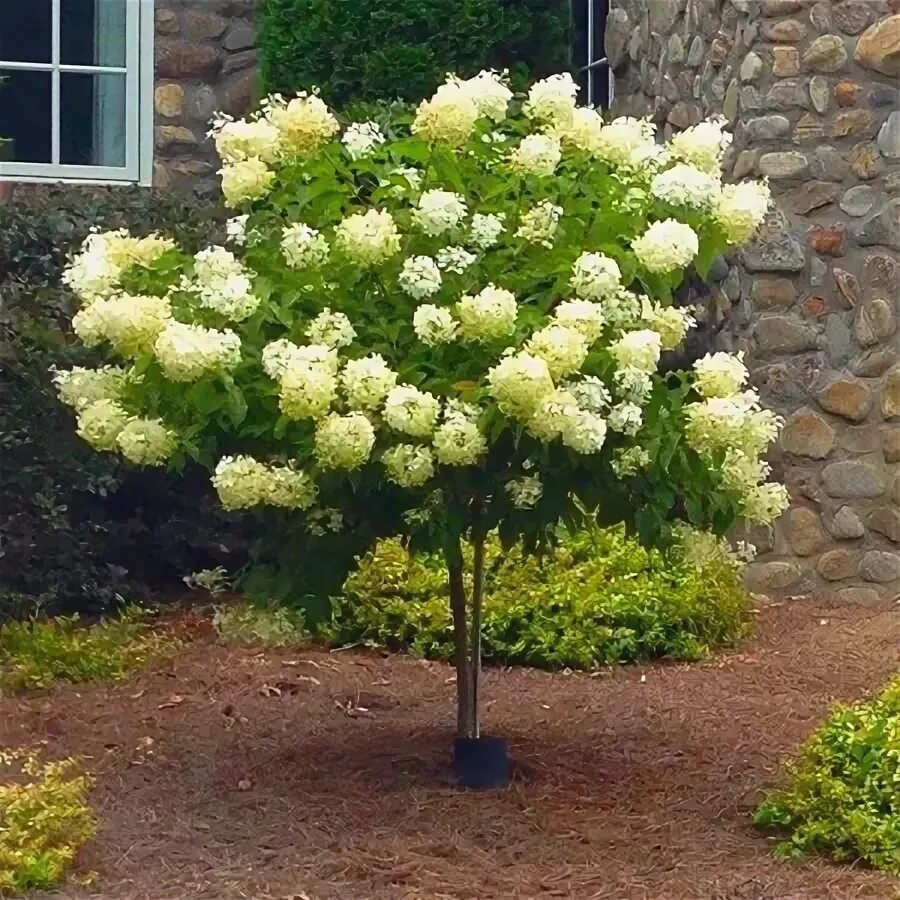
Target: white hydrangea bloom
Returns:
[[303, 247], [434, 325], [409, 465], [552, 100], [488, 315], [583, 131], [307, 381], [304, 122], [222, 284], [457, 440], [362, 139], [367, 381], [411, 411], [595, 276], [563, 349], [79, 387], [455, 259], [449, 116], [187, 352], [368, 238], [490, 93], [131, 323], [628, 461], [638, 350], [420, 277], [278, 355], [238, 140], [720, 374], [344, 442], [737, 421], [765, 503], [559, 415], [331, 329], [537, 155], [582, 315], [242, 482], [236, 230], [100, 423], [409, 174], [741, 473], [439, 211], [626, 418], [741, 208], [584, 432], [590, 393], [245, 180], [623, 310], [702, 145], [538, 225], [519, 383], [670, 322], [146, 442], [684, 185], [486, 229], [324, 521], [633, 385], [525, 491], [666, 245], [629, 143]]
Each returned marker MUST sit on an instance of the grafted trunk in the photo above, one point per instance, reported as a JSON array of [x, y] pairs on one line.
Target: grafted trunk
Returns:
[[466, 712]]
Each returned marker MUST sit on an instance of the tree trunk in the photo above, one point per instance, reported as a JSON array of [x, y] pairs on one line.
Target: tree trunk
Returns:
[[466, 712], [475, 638]]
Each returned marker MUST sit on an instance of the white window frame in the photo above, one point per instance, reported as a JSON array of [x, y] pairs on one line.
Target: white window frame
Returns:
[[138, 72]]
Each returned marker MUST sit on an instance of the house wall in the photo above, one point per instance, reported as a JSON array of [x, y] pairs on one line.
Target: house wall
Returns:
[[811, 88], [205, 63]]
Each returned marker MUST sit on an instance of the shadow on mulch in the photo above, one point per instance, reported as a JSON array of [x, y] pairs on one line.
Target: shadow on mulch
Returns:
[[231, 773]]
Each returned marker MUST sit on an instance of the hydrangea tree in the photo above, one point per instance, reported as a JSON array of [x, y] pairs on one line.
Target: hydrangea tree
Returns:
[[461, 319]]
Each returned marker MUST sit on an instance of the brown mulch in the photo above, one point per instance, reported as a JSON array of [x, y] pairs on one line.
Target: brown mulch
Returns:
[[229, 773]]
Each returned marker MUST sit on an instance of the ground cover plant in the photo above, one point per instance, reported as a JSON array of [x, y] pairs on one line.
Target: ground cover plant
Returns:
[[441, 333], [842, 797]]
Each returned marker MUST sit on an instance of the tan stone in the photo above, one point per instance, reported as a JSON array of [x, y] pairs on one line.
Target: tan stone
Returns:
[[785, 61], [865, 161], [807, 434], [848, 288], [173, 136], [805, 527], [773, 575], [891, 443], [846, 397], [837, 564], [861, 439], [788, 31], [890, 394], [851, 121], [168, 100], [882, 275], [773, 293], [885, 520], [878, 47], [825, 54], [847, 93]]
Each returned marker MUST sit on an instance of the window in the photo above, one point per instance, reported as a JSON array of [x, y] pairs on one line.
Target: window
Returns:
[[76, 83], [591, 65]]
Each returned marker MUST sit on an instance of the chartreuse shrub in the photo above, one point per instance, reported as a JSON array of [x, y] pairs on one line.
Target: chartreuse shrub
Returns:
[[358, 50], [842, 797], [449, 330], [44, 819], [37, 652], [271, 625], [598, 597]]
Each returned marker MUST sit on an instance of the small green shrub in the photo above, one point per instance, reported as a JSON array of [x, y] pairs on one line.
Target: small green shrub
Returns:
[[44, 819], [358, 50], [37, 652], [598, 598], [248, 623], [843, 793]]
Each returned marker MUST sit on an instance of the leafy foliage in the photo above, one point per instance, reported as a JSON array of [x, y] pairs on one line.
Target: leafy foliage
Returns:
[[44, 819], [38, 652], [270, 625], [597, 598], [356, 50], [842, 797]]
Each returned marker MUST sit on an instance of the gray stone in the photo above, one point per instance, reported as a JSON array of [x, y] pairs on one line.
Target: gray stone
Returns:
[[882, 275], [880, 566], [773, 293], [618, 33], [882, 228], [820, 16], [889, 136], [829, 164], [812, 195], [875, 322], [203, 25], [890, 394], [809, 129], [819, 93], [202, 103], [786, 95], [773, 575], [788, 164], [891, 441], [825, 54], [846, 525], [732, 100], [751, 67], [675, 48], [781, 253], [860, 596], [783, 334], [774, 8], [875, 362], [696, 51], [767, 128], [818, 272], [663, 13], [848, 288], [240, 36], [859, 200], [839, 340], [885, 520], [237, 62], [849, 479], [892, 182], [750, 99], [838, 564], [745, 163], [807, 434], [851, 17]]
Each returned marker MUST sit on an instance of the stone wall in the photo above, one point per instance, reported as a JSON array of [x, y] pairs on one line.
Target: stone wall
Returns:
[[811, 88], [205, 63]]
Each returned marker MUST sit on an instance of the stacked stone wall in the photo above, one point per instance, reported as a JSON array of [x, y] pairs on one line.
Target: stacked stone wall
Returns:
[[811, 89]]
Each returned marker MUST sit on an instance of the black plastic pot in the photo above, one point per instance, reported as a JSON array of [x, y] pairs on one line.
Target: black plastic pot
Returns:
[[481, 763]]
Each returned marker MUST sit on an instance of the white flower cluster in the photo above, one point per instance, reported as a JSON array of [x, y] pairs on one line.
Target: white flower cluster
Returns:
[[409, 465], [344, 442], [366, 382], [306, 376], [703, 145], [595, 276], [434, 324], [627, 143], [564, 349], [458, 441], [519, 383], [670, 322], [583, 316], [95, 271], [638, 350], [245, 180], [628, 461], [243, 482], [741, 208], [242, 139], [303, 123], [368, 238], [560, 415], [411, 411], [538, 225], [101, 422], [582, 131], [187, 352], [223, 285], [488, 315], [303, 247], [79, 387], [537, 155], [362, 139], [720, 374], [439, 211], [420, 277], [331, 329], [145, 442], [130, 323], [666, 246], [552, 100], [485, 230], [525, 491], [684, 185], [626, 418], [490, 93], [236, 230], [454, 259], [737, 422]]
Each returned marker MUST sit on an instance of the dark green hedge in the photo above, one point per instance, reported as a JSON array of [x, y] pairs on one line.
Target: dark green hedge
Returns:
[[362, 50]]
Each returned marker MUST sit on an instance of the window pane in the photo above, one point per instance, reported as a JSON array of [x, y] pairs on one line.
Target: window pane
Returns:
[[25, 30], [92, 119], [25, 116], [92, 32]]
